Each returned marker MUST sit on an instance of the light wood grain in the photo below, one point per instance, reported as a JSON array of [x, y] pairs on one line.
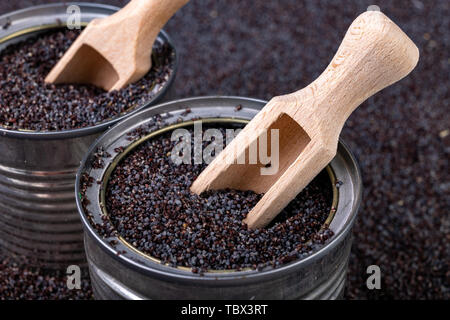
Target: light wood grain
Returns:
[[115, 51], [374, 54]]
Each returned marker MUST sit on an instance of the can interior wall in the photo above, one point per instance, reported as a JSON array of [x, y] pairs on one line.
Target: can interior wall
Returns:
[[133, 276], [38, 214]]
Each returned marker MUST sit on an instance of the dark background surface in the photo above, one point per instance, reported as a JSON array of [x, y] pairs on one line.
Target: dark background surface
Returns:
[[400, 137]]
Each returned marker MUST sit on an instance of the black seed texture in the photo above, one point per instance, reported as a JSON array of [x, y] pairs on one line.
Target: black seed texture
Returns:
[[150, 205], [20, 282], [401, 136], [27, 102]]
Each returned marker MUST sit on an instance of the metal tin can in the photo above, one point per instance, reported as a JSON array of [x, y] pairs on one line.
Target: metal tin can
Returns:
[[38, 214], [132, 275]]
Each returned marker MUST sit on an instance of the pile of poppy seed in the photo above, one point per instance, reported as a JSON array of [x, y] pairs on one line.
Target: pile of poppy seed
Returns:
[[401, 137], [20, 281], [27, 102], [149, 203]]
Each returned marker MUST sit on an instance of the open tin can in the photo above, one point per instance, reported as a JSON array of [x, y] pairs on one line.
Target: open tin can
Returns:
[[38, 214], [120, 271]]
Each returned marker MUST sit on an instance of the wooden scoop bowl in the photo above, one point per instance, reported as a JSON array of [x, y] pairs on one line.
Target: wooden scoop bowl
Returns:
[[374, 54], [115, 51]]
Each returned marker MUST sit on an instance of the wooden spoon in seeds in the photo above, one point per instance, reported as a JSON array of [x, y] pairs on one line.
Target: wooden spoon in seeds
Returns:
[[374, 54], [115, 51]]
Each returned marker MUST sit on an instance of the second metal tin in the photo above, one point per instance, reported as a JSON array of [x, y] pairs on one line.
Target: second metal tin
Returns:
[[38, 215]]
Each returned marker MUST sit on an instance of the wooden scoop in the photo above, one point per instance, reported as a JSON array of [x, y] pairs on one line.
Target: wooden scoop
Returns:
[[374, 54], [115, 51]]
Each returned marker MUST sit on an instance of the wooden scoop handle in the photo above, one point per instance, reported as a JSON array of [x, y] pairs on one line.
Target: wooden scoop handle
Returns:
[[374, 54], [152, 15]]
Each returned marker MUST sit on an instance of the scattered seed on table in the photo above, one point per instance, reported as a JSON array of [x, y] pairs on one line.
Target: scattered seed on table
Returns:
[[19, 281]]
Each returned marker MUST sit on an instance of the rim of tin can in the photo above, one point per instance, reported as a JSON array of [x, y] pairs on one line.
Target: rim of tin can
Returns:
[[130, 148], [65, 134], [170, 273]]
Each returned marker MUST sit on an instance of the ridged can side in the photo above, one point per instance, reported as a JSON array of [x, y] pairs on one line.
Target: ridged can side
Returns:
[[130, 275], [38, 213], [322, 280]]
